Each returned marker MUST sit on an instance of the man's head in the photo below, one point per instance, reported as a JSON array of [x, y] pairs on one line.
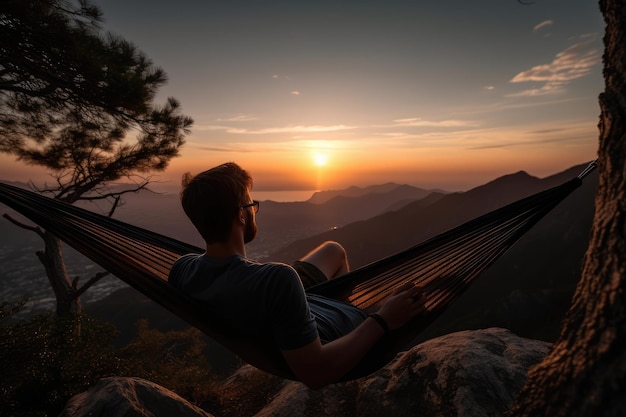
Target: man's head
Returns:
[[213, 199]]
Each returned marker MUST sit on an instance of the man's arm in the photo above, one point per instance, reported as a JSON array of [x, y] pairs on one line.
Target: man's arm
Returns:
[[317, 365]]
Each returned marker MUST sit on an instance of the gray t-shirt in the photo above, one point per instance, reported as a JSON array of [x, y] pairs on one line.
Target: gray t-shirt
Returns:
[[263, 300]]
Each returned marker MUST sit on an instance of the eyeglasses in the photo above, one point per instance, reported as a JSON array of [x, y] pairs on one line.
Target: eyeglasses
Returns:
[[255, 206]]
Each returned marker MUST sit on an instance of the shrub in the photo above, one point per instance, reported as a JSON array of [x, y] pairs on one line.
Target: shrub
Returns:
[[174, 359], [47, 359]]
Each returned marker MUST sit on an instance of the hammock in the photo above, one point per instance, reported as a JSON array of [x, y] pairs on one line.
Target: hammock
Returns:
[[445, 266]]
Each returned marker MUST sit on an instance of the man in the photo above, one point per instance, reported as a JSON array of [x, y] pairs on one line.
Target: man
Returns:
[[320, 339]]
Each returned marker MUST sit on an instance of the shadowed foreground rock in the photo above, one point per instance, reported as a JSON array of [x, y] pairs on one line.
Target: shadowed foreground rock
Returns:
[[129, 397], [469, 373]]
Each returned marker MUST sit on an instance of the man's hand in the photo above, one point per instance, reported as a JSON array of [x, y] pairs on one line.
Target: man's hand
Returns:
[[317, 365], [402, 305]]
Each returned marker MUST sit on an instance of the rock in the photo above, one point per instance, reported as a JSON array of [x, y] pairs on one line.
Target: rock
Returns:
[[468, 373], [464, 374], [295, 399], [265, 395], [129, 397]]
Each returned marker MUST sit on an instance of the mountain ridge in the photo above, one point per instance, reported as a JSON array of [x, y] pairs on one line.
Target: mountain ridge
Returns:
[[543, 267], [391, 232], [527, 290], [320, 197]]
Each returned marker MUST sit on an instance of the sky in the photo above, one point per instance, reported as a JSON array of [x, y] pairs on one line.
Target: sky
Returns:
[[310, 95]]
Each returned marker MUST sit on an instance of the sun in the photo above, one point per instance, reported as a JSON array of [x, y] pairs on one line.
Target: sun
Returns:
[[320, 159]]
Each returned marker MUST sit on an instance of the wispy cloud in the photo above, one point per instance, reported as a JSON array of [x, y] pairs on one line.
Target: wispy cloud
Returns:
[[239, 118], [566, 133], [277, 130], [569, 133], [239, 148], [543, 25], [295, 93], [574, 62], [591, 35], [419, 122], [290, 146]]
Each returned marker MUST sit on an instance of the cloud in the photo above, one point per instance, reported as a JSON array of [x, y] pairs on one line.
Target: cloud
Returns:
[[571, 133], [542, 25], [590, 35], [419, 122], [344, 132], [240, 118], [574, 62], [277, 130], [295, 93], [239, 148]]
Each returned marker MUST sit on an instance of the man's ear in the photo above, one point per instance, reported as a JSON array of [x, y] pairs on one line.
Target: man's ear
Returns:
[[242, 216]]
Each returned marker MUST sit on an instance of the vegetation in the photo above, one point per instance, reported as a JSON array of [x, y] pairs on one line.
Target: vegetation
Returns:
[[80, 103], [174, 359], [45, 361]]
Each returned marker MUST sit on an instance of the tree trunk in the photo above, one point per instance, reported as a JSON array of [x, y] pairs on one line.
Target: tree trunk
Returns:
[[52, 259], [585, 372]]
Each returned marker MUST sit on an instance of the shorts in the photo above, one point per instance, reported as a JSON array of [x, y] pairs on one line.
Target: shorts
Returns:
[[333, 318], [309, 274]]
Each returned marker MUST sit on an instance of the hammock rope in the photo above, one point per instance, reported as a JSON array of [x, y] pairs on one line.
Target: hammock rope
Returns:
[[445, 265]]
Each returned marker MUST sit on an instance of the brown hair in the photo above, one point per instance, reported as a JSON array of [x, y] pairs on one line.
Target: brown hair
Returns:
[[211, 199]]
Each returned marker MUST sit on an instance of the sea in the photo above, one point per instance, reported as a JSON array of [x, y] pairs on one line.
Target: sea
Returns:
[[23, 277], [282, 196]]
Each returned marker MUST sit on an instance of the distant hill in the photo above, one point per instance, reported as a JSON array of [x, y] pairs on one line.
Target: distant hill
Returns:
[[321, 197], [527, 290], [282, 223], [279, 223], [391, 232]]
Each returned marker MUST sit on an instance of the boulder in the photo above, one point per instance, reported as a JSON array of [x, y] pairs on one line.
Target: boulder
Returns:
[[465, 374], [251, 392], [129, 397], [468, 374]]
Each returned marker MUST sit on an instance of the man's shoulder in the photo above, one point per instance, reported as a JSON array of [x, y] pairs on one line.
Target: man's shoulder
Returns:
[[270, 276], [185, 262], [188, 258], [270, 268], [182, 267]]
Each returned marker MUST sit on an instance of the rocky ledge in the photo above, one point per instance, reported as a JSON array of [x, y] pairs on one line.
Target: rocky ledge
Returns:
[[469, 373]]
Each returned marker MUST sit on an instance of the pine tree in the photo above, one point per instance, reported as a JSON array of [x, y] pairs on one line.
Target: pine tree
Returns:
[[80, 102]]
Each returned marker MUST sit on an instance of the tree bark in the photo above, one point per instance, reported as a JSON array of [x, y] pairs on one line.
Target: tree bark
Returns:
[[585, 372], [64, 290]]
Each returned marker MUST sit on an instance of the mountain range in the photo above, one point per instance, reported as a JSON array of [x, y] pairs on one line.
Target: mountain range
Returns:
[[394, 230], [527, 290]]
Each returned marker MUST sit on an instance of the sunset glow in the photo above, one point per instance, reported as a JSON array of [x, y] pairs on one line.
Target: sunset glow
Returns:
[[410, 92], [320, 159]]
